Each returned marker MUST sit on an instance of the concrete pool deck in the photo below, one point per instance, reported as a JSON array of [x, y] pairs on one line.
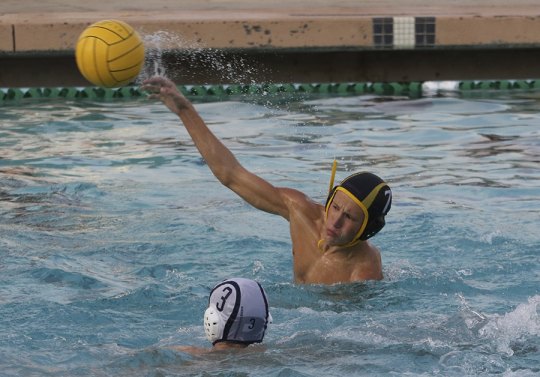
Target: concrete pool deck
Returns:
[[297, 40]]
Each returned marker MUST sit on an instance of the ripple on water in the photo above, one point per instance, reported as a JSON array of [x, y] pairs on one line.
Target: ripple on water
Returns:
[[113, 232]]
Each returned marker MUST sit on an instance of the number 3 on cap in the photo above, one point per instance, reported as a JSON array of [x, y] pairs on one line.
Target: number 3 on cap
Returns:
[[228, 292]]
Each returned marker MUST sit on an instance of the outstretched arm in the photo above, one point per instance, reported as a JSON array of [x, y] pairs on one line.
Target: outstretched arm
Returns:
[[253, 189]]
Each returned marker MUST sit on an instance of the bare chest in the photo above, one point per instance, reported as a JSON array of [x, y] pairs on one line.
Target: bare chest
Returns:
[[326, 270]]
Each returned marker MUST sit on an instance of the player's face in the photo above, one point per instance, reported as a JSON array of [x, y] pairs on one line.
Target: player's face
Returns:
[[343, 220]]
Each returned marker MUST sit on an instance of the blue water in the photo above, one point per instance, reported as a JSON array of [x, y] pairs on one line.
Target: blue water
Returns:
[[113, 231]]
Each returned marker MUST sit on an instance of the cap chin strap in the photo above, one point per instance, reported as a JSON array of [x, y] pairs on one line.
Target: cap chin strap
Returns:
[[352, 243], [332, 176]]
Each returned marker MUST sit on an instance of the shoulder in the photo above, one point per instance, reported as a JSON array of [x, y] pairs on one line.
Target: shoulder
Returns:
[[369, 266], [299, 203], [293, 194]]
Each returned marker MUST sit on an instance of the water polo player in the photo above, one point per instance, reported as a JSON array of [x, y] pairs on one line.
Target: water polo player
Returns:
[[329, 243], [237, 316]]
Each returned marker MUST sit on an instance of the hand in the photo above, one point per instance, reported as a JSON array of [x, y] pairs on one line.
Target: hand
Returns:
[[166, 91]]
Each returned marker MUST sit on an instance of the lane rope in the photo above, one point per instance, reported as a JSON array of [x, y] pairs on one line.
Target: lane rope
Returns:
[[411, 89]]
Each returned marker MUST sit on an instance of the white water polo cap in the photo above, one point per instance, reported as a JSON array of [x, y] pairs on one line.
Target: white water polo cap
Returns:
[[237, 312]]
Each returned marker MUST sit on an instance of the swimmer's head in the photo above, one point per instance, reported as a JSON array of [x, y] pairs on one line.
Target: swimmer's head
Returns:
[[372, 195], [237, 312]]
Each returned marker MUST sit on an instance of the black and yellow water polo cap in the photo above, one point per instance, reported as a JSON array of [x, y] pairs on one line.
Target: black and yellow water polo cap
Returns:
[[372, 195]]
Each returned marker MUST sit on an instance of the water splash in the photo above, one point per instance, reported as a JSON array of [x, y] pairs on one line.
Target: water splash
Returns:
[[188, 55], [512, 330], [156, 44]]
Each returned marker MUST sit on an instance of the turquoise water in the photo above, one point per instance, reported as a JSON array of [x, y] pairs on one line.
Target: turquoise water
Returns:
[[113, 231]]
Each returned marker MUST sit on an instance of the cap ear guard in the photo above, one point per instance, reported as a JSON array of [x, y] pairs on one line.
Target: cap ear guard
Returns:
[[378, 210], [373, 227], [212, 324]]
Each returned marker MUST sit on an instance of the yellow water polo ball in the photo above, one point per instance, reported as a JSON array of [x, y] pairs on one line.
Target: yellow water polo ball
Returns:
[[109, 53]]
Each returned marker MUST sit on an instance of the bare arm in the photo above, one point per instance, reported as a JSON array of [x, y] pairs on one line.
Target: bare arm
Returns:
[[253, 189]]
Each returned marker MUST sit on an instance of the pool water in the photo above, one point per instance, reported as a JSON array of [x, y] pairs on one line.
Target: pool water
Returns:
[[113, 231]]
